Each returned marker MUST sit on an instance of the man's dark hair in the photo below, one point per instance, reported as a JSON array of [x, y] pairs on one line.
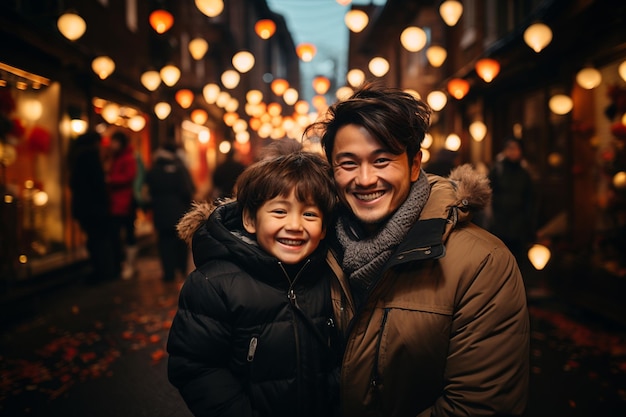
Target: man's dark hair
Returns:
[[395, 118]]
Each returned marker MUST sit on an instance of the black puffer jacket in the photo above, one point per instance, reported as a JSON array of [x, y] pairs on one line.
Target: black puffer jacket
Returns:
[[240, 344]]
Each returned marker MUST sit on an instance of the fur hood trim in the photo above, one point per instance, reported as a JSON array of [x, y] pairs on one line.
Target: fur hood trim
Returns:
[[193, 219], [472, 188]]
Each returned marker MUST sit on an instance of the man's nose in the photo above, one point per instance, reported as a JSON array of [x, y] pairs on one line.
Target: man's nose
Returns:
[[365, 176]]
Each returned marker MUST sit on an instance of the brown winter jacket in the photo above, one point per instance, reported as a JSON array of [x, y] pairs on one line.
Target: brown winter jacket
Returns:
[[445, 331]]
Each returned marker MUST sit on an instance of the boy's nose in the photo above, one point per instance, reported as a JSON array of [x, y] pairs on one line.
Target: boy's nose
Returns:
[[294, 222]]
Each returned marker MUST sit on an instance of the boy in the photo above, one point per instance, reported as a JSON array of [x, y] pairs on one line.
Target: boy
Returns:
[[252, 335]]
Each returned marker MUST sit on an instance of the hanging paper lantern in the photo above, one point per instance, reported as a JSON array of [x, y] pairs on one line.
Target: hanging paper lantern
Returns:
[[161, 20], [458, 88], [265, 28]]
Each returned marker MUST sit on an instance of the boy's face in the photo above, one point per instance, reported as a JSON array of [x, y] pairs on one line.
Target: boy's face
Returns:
[[286, 228]]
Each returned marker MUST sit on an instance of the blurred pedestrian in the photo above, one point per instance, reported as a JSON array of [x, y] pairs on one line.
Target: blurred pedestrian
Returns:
[[253, 335], [225, 176], [121, 172], [90, 203], [170, 191], [512, 202]]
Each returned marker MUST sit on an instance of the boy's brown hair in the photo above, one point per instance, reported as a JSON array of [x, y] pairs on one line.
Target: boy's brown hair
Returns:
[[306, 173]]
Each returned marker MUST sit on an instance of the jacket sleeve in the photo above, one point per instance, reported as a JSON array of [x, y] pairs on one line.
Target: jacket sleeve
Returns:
[[198, 347], [487, 370]]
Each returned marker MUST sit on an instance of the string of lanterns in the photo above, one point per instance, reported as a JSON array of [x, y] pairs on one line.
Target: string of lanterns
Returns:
[[537, 36]]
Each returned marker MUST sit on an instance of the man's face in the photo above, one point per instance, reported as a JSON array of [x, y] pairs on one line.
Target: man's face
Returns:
[[370, 179]]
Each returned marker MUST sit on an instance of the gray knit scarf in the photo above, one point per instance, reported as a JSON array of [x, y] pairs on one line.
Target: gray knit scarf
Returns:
[[364, 259]]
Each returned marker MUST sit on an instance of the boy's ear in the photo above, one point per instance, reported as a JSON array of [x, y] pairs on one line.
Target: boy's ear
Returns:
[[248, 221]]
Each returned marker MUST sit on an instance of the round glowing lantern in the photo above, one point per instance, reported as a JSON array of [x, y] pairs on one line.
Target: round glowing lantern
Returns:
[[378, 66], [356, 20], [538, 36], [198, 48], [321, 84], [458, 88], [413, 39], [199, 116], [103, 66], [436, 55], [589, 78], [162, 110], [71, 25], [560, 104], [211, 8], [451, 11], [151, 80], [170, 74], [279, 86], [265, 28], [487, 69], [436, 100], [184, 98], [161, 20], [306, 51], [243, 61]]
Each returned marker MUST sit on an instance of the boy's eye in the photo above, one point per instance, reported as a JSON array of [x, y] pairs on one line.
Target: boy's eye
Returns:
[[311, 214], [279, 211]]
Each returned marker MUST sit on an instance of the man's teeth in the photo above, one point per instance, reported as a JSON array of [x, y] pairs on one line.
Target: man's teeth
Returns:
[[369, 197]]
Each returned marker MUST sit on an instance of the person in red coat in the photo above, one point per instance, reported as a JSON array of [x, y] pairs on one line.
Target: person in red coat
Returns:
[[122, 169]]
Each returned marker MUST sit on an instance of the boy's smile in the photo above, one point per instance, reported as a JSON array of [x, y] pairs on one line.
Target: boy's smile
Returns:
[[286, 228]]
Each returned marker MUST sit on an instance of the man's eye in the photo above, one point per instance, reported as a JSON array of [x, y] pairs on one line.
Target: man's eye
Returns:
[[346, 164], [381, 161]]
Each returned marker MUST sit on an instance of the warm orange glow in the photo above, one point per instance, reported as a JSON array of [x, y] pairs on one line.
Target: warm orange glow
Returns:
[[274, 109], [279, 86], [230, 118], [487, 69], [356, 20], [265, 28], [321, 84], [161, 20], [538, 36], [72, 26], [103, 66], [306, 51], [199, 116], [458, 88], [184, 98], [319, 102]]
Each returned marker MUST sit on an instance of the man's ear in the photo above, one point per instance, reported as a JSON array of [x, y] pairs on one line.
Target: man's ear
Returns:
[[416, 166], [248, 222]]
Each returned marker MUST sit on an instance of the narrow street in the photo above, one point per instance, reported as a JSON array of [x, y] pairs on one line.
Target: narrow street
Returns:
[[99, 350]]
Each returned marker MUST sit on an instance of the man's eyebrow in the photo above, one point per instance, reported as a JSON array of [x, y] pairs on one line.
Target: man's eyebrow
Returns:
[[351, 154]]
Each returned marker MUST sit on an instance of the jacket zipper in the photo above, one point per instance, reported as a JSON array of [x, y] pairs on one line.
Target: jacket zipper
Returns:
[[254, 341], [291, 295], [375, 378]]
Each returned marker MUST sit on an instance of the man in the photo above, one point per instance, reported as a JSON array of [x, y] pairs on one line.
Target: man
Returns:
[[439, 325]]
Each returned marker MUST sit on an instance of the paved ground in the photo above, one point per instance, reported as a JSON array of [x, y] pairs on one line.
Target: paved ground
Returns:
[[81, 350]]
